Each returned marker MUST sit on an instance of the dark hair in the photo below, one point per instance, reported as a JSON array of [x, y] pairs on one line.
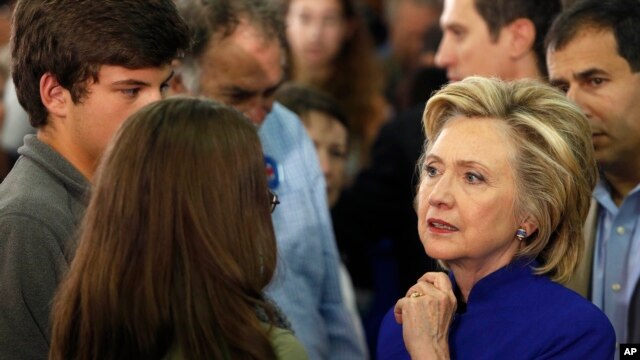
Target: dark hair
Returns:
[[303, 99], [499, 13], [621, 17], [356, 78], [207, 18], [177, 243], [72, 39]]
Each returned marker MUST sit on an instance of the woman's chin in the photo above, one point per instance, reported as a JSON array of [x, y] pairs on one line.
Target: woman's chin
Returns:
[[438, 251]]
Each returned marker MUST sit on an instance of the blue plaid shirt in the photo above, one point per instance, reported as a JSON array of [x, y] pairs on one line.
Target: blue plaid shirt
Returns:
[[306, 284]]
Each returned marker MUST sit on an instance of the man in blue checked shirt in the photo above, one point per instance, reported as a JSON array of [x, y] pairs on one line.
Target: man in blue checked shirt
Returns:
[[238, 58], [593, 54]]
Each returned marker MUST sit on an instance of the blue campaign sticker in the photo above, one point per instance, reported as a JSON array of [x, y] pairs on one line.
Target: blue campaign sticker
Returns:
[[273, 172]]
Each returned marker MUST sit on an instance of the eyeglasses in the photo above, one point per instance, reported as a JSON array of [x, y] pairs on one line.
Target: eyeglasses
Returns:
[[274, 199]]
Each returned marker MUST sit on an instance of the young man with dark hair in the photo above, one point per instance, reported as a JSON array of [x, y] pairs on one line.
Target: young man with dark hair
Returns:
[[80, 69], [593, 54]]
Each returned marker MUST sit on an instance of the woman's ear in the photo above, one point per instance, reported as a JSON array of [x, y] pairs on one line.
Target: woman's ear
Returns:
[[522, 37], [54, 97], [529, 225]]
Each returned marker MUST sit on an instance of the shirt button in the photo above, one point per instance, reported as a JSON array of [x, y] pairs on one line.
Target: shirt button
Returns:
[[616, 287], [620, 230]]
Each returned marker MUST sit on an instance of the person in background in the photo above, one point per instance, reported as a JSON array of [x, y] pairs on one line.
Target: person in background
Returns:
[[408, 23], [593, 54], [5, 30], [331, 50], [238, 59], [568, 3], [177, 245], [416, 86], [373, 16], [328, 129], [501, 38], [502, 211], [6, 9], [80, 68], [4, 77], [16, 121]]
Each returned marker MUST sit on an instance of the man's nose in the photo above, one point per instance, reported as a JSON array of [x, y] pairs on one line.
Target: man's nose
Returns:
[[574, 94], [444, 56], [258, 111]]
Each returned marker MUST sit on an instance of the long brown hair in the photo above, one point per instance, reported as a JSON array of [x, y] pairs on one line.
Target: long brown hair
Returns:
[[177, 243], [356, 81]]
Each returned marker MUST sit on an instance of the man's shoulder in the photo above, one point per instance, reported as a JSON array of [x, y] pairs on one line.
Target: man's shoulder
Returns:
[[28, 185], [283, 126], [30, 194], [285, 140], [36, 245]]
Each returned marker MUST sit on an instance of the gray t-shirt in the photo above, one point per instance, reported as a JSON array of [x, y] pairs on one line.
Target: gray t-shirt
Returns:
[[42, 201]]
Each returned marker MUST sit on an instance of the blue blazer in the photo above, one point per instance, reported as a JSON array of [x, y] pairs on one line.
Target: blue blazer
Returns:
[[514, 314]]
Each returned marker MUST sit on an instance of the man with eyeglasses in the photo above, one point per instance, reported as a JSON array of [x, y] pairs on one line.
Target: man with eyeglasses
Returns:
[[274, 200], [238, 59]]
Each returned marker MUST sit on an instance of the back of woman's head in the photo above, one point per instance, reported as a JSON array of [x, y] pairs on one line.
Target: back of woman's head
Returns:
[[177, 243], [554, 165]]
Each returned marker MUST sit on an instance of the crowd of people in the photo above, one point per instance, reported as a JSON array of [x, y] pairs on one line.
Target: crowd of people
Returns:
[[319, 179]]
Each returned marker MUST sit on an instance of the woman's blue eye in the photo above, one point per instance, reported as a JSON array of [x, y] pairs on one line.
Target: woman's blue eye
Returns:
[[431, 171], [473, 178]]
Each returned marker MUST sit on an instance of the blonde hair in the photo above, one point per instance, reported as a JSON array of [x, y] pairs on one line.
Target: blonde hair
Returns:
[[554, 165]]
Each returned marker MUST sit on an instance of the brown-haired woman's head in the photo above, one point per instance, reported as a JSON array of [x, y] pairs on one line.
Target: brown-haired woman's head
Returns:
[[549, 160], [177, 243]]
